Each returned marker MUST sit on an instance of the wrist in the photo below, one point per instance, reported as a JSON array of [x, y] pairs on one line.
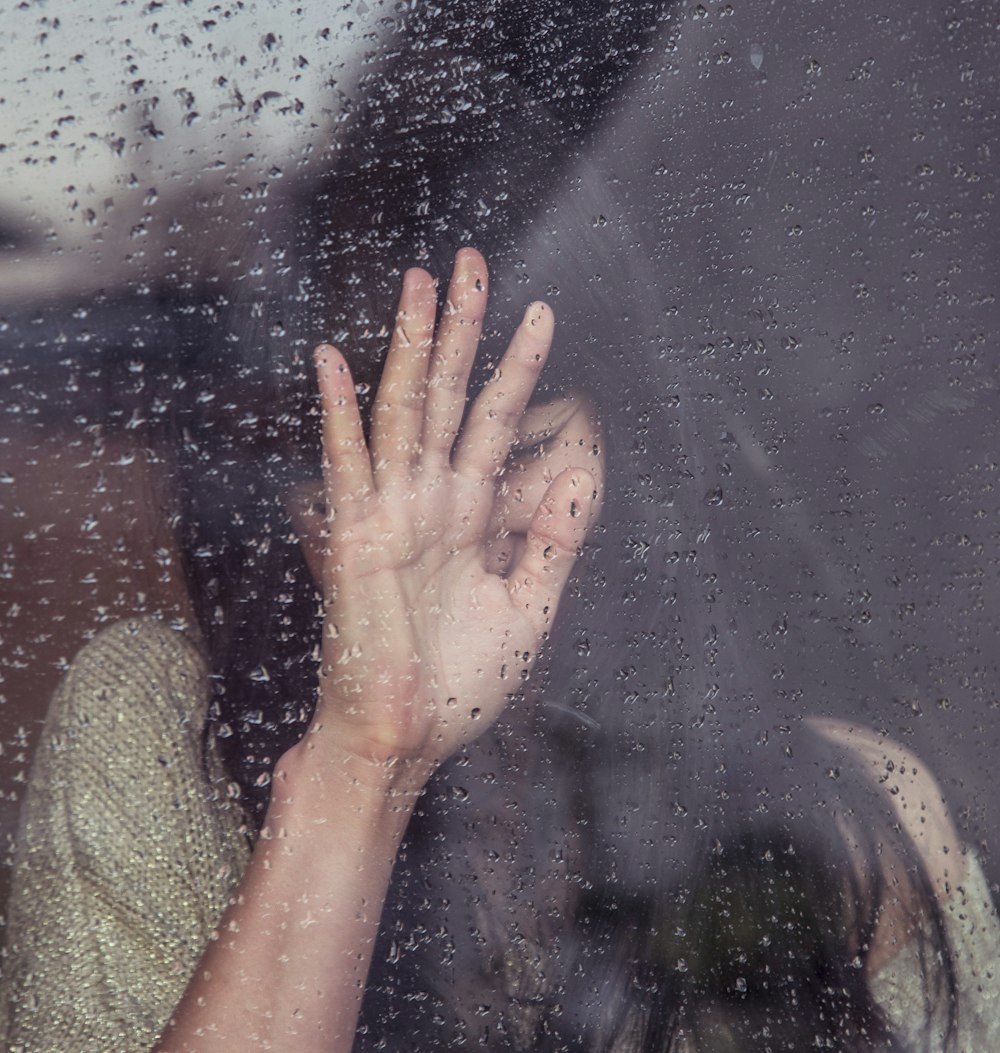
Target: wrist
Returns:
[[313, 778]]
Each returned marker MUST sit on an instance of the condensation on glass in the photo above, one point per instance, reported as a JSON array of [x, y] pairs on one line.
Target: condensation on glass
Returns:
[[767, 233]]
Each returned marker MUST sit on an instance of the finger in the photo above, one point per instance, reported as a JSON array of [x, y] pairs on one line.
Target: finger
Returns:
[[347, 469], [398, 413], [454, 351], [497, 412], [550, 438], [557, 532]]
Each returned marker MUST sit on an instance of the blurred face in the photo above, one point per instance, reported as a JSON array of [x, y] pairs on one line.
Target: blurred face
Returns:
[[553, 436]]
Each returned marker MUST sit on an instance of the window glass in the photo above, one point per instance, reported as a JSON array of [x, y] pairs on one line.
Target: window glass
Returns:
[[740, 794]]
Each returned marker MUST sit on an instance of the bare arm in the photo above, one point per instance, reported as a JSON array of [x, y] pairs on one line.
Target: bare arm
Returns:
[[423, 643], [288, 969]]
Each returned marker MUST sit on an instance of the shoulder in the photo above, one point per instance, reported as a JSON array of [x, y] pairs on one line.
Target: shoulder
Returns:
[[134, 671], [127, 850], [122, 757], [914, 805], [129, 715], [973, 935], [137, 646]]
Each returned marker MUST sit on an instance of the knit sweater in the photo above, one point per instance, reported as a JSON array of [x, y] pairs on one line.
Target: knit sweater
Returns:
[[129, 851]]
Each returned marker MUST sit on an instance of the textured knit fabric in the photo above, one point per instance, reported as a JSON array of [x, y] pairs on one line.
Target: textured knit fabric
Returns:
[[974, 933], [128, 853], [125, 856]]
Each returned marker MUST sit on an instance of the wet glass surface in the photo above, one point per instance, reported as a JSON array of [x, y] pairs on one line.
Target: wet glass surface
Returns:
[[767, 233]]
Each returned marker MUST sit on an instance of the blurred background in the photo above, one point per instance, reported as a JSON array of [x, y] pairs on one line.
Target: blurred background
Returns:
[[767, 230], [142, 145]]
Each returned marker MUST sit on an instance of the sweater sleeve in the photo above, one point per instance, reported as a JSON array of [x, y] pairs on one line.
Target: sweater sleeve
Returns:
[[126, 853], [973, 929]]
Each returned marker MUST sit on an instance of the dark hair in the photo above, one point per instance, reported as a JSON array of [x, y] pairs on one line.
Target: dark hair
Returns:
[[704, 882], [408, 183], [760, 934]]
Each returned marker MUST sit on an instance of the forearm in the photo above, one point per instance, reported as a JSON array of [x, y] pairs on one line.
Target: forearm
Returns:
[[288, 969]]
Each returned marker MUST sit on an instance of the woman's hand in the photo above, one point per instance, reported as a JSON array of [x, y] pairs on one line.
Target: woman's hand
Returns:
[[433, 615], [426, 632]]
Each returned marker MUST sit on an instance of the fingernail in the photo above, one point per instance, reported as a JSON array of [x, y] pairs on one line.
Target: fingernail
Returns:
[[469, 262], [415, 277], [539, 316], [324, 354]]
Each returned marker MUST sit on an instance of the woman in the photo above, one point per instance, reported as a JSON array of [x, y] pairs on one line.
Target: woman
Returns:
[[728, 874], [430, 599], [141, 919]]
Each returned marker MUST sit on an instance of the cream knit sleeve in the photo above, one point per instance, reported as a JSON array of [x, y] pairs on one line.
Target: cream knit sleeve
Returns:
[[973, 928], [126, 853]]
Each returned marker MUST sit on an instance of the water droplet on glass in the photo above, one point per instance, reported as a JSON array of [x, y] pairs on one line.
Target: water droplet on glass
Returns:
[[756, 56], [714, 496]]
